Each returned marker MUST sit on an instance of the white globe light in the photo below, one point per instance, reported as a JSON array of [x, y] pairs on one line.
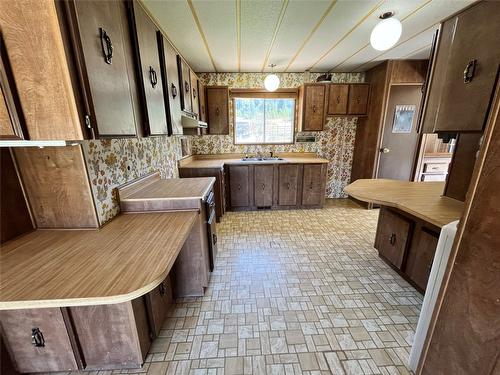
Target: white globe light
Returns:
[[271, 82], [386, 34]]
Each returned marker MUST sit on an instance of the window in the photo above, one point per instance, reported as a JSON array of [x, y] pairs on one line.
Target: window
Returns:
[[264, 120]]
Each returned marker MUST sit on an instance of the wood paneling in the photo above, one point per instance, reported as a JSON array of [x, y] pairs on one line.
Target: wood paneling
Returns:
[[392, 236], [127, 258], [288, 184], [358, 99], [462, 166], [464, 336], [108, 334], [218, 109], [313, 107], [337, 99], [36, 52], [55, 355], [15, 217], [263, 185], [239, 185], [314, 178], [57, 186]]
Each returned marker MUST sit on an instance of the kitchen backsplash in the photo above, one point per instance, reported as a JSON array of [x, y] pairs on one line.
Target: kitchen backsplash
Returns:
[[335, 143], [113, 162]]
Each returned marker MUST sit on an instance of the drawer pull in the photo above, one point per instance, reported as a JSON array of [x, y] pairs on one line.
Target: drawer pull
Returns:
[[288, 185], [153, 78], [106, 45], [186, 86], [469, 70], [217, 111], [37, 338], [338, 99], [263, 186], [314, 108], [162, 289], [392, 239], [239, 187], [173, 90]]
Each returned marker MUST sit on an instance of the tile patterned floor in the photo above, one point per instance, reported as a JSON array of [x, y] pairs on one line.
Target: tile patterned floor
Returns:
[[294, 292]]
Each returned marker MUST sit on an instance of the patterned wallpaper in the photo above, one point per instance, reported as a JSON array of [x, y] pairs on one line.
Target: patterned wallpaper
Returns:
[[113, 162], [335, 142]]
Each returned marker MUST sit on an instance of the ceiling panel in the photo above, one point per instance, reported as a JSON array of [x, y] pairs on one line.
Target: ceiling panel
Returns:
[[176, 20], [258, 21], [218, 22]]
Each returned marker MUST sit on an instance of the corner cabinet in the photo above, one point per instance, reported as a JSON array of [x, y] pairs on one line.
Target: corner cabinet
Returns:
[[217, 98]]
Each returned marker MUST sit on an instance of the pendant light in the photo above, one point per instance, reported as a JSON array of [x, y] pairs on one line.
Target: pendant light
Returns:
[[272, 81], [386, 33]]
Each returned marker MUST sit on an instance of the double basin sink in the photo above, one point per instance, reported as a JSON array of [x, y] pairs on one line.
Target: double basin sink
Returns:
[[268, 159]]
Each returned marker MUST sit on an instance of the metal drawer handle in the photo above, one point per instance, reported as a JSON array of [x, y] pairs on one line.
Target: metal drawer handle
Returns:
[[214, 238], [153, 77], [288, 185], [217, 111], [314, 108], [107, 45], [263, 186], [392, 239], [194, 93], [162, 288], [338, 99], [311, 186], [37, 338], [239, 187], [469, 70], [173, 90], [186, 86]]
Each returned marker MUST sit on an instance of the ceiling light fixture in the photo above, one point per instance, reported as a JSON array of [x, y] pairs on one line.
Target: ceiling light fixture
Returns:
[[386, 33], [272, 81]]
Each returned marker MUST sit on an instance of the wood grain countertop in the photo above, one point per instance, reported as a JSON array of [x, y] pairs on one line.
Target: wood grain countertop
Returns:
[[218, 161], [125, 259], [420, 199]]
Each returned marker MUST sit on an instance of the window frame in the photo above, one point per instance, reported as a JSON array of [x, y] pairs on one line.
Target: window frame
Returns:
[[263, 94]]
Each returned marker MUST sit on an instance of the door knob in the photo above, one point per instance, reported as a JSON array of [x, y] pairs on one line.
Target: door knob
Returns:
[[384, 150]]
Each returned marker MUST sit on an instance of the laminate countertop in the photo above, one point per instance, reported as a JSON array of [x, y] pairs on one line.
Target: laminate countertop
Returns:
[[420, 199], [125, 259], [218, 161]]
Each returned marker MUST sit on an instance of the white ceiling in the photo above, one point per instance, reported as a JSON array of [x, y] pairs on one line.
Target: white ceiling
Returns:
[[296, 35]]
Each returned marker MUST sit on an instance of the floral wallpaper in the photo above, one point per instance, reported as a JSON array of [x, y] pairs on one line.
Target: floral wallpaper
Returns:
[[335, 142], [113, 162]]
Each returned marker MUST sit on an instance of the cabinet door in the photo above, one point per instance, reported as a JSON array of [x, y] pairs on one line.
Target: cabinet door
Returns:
[[263, 185], [194, 94], [337, 99], [288, 181], [313, 185], [159, 301], [218, 110], [314, 111], [150, 72], [420, 256], [47, 325], [185, 85], [392, 235], [202, 102], [107, 65], [358, 99], [170, 77], [471, 70], [239, 185]]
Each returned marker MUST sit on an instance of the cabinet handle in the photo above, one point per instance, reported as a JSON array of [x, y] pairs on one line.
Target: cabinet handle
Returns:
[[311, 186], [239, 187], [194, 93], [162, 289], [469, 70], [263, 186], [153, 77], [217, 111], [288, 185], [37, 338], [338, 99], [314, 108], [392, 239], [173, 90], [186, 86], [107, 45], [214, 238]]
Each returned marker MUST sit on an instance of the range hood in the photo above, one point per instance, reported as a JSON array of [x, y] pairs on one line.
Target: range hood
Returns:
[[191, 122]]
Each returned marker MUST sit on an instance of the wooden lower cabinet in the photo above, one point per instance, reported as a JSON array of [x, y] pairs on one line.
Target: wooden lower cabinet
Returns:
[[158, 302], [263, 185], [314, 184], [239, 182], [408, 244], [288, 184]]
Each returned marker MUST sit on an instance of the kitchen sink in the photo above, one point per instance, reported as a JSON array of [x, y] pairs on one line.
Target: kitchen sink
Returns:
[[268, 159]]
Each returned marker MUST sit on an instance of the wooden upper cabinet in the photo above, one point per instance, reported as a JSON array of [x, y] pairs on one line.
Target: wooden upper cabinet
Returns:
[[171, 90], [337, 99], [358, 99], [103, 51], [202, 102], [194, 94], [185, 85], [263, 185], [148, 62], [471, 68], [313, 102], [218, 109], [34, 45]]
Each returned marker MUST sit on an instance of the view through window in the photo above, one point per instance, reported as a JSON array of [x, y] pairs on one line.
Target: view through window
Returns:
[[263, 120]]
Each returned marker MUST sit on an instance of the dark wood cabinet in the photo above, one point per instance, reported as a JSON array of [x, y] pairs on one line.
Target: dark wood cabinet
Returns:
[[170, 79], [263, 185], [288, 183], [218, 109], [312, 102], [337, 99], [99, 33], [393, 231], [239, 182], [421, 255], [358, 99], [466, 65], [195, 100], [313, 184], [38, 340], [202, 102], [185, 85], [148, 63], [158, 302]]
